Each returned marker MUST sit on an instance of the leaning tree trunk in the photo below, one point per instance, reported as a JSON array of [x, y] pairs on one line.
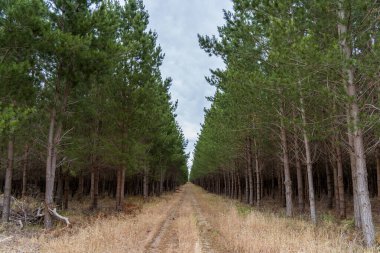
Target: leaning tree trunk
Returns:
[[287, 178], [8, 182], [359, 150], [25, 171]]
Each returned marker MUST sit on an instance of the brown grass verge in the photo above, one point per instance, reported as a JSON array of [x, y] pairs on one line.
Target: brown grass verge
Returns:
[[249, 230], [100, 232]]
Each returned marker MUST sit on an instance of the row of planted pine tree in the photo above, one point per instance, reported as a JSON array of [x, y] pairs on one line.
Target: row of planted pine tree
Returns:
[[296, 112], [84, 109]]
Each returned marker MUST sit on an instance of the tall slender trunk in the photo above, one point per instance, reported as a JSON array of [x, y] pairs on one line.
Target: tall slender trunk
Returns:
[[287, 178], [336, 188], [145, 184], [122, 186], [249, 168], [54, 139], [119, 181], [378, 170], [329, 186], [161, 182], [258, 184], [309, 164], [25, 171], [8, 181], [342, 205], [357, 216], [246, 195], [359, 150], [301, 203], [94, 187]]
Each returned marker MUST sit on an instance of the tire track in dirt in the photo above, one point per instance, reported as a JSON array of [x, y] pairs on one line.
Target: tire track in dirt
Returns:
[[155, 244], [209, 239]]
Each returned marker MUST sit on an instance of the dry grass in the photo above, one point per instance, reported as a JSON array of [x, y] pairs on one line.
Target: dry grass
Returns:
[[185, 226], [251, 231], [100, 233], [236, 225]]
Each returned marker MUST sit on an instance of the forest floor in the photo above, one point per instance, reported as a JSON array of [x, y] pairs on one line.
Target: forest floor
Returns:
[[189, 220]]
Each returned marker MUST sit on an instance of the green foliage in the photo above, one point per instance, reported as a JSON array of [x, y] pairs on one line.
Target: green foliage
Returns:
[[277, 54]]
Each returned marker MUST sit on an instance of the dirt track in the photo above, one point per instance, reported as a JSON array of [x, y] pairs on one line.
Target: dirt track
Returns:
[[168, 235]]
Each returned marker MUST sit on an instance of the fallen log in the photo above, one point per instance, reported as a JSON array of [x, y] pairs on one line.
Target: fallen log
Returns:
[[56, 215]]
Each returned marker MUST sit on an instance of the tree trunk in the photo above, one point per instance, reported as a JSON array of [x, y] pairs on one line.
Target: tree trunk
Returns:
[[342, 206], [309, 165], [122, 186], [54, 139], [336, 188], [249, 168], [258, 188], [359, 151], [357, 216], [301, 204], [25, 171], [246, 195], [287, 179], [94, 187], [161, 182], [118, 189], [8, 181], [378, 170], [145, 184], [329, 186]]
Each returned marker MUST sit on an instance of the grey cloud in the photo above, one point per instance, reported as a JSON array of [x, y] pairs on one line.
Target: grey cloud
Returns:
[[177, 23]]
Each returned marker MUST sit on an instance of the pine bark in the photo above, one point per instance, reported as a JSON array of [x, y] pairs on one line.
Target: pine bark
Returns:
[[357, 133], [301, 203], [94, 187], [249, 168], [258, 184], [342, 205], [8, 181], [54, 138], [309, 164], [378, 170], [287, 178], [329, 186]]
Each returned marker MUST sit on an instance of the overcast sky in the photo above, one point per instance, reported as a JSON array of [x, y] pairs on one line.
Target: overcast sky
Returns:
[[177, 23]]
